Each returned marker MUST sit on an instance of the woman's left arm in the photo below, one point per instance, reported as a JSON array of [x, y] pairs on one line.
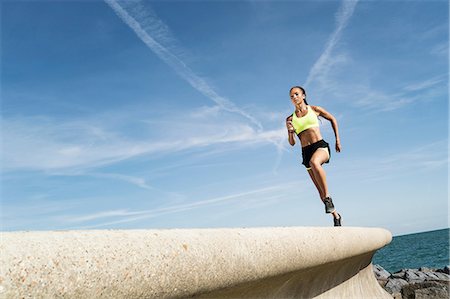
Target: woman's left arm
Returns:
[[327, 115]]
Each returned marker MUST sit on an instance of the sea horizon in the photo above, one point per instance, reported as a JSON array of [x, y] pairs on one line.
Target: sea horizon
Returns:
[[420, 232], [412, 251]]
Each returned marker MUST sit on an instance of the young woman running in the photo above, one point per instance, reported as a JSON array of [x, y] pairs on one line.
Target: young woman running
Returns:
[[304, 123]]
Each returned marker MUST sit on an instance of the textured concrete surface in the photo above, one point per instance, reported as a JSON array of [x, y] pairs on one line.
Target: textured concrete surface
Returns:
[[291, 262]]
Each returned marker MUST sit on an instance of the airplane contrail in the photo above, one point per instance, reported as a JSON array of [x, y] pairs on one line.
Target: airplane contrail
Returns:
[[149, 28], [345, 12]]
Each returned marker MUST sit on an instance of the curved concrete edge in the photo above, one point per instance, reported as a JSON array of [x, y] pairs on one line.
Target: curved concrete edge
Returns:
[[349, 278], [290, 262]]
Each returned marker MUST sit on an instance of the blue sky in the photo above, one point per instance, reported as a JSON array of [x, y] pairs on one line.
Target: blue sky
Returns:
[[164, 114]]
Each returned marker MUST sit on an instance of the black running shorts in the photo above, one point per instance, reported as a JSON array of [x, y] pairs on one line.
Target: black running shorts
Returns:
[[309, 150]]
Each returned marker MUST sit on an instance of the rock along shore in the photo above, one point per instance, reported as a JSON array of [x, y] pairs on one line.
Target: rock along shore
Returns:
[[415, 283]]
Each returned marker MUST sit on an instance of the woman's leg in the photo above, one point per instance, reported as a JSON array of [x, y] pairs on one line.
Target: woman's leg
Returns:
[[319, 157], [318, 174], [319, 189]]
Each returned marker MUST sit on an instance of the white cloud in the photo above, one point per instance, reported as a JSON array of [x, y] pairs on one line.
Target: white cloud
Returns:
[[77, 146], [426, 158], [431, 82], [262, 194], [379, 100], [440, 50], [33, 144], [99, 215], [137, 181], [433, 32]]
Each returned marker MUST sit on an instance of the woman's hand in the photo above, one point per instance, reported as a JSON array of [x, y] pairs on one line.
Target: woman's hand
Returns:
[[289, 126], [338, 146]]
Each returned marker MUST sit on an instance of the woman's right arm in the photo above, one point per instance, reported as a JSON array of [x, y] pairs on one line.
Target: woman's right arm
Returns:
[[291, 131]]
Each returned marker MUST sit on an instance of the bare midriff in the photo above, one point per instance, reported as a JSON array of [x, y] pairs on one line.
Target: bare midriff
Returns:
[[310, 136]]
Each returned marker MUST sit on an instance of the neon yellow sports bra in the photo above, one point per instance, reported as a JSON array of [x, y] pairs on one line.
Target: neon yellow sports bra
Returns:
[[303, 123]]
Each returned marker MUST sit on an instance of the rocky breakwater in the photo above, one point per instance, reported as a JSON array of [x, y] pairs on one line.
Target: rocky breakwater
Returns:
[[415, 283]]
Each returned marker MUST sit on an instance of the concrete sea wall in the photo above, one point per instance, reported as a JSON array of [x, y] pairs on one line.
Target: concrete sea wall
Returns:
[[291, 262]]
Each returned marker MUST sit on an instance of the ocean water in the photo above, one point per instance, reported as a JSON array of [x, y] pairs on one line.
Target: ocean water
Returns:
[[427, 249]]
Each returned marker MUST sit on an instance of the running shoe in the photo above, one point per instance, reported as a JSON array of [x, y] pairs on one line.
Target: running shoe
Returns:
[[329, 206], [337, 221]]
